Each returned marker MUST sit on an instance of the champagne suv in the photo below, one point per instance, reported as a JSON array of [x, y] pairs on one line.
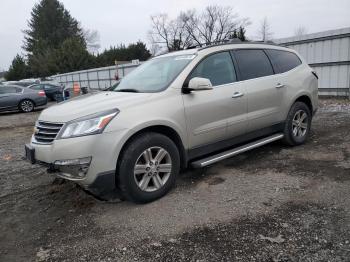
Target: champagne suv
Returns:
[[187, 108]]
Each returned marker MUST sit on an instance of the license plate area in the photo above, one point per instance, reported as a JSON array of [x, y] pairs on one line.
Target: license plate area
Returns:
[[30, 153]]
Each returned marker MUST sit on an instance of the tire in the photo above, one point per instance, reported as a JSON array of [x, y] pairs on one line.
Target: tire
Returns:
[[26, 105], [141, 178], [55, 97], [298, 124]]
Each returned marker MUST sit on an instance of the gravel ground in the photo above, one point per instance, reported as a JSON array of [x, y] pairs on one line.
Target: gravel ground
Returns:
[[275, 203]]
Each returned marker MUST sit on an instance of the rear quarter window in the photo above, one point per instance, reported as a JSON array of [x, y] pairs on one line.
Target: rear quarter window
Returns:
[[283, 61], [253, 63]]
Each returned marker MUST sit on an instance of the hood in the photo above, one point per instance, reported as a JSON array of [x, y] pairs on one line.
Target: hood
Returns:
[[89, 104]]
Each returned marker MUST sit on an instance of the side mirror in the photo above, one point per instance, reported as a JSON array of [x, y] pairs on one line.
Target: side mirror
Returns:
[[199, 84]]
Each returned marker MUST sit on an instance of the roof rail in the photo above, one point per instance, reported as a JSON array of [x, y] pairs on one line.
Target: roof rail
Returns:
[[229, 42], [215, 43]]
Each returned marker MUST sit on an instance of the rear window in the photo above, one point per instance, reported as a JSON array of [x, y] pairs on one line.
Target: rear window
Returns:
[[253, 63], [283, 61]]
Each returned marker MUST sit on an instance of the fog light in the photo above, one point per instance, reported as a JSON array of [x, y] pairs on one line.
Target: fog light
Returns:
[[73, 168]]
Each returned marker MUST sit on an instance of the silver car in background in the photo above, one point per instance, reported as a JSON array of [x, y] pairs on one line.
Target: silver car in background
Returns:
[[20, 98]]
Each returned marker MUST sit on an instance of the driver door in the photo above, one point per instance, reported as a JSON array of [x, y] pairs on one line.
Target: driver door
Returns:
[[209, 112]]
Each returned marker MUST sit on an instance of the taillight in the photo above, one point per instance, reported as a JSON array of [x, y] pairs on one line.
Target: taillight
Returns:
[[41, 93]]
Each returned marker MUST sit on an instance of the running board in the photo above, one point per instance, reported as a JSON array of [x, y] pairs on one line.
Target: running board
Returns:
[[235, 151]]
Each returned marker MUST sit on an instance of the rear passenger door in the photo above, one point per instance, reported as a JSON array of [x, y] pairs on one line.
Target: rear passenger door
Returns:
[[263, 88]]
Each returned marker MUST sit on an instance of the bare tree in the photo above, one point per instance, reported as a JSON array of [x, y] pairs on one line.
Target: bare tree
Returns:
[[218, 23], [171, 33], [264, 33], [214, 24], [300, 30], [92, 38]]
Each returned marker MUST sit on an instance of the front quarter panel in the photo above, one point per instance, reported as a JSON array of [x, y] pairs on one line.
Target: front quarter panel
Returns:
[[164, 108]]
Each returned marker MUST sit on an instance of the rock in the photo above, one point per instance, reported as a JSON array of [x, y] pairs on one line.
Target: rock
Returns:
[[156, 244], [277, 239], [43, 254], [172, 240]]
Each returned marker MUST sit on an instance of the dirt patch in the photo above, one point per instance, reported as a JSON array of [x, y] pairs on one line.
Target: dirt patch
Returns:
[[215, 181], [293, 232], [275, 203]]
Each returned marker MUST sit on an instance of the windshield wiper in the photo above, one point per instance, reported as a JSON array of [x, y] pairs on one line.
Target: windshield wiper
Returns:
[[127, 90]]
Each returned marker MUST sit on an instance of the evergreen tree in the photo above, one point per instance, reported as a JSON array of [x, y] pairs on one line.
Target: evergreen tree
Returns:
[[72, 56], [138, 51], [123, 53], [234, 35], [55, 43], [18, 69], [50, 26], [241, 34]]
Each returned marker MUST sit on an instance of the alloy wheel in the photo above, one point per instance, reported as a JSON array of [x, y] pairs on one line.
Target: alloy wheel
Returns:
[[152, 169], [27, 106], [300, 123]]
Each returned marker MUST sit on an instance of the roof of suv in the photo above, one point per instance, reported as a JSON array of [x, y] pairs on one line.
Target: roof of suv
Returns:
[[225, 46]]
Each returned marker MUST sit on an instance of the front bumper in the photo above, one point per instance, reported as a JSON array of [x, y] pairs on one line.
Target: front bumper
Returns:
[[103, 150], [104, 186]]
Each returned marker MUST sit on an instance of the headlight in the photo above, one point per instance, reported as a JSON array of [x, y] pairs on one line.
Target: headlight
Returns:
[[89, 125]]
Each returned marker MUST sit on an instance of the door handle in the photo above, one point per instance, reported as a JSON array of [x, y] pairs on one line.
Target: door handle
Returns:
[[279, 85], [237, 94]]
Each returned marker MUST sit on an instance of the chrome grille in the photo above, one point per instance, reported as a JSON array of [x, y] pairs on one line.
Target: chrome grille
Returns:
[[46, 132]]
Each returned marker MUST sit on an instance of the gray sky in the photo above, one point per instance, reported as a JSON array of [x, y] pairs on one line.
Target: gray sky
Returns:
[[125, 21]]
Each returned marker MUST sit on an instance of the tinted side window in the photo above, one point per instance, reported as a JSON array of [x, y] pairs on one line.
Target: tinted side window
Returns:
[[283, 61], [217, 67], [48, 87], [253, 63], [36, 87], [7, 89]]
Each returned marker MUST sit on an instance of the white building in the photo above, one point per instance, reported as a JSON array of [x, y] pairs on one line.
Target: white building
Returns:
[[328, 53]]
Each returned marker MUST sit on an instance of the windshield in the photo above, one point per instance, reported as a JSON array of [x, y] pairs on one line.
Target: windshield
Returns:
[[112, 87], [154, 75]]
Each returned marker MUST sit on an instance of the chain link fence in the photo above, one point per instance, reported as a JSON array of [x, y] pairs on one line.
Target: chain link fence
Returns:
[[95, 79]]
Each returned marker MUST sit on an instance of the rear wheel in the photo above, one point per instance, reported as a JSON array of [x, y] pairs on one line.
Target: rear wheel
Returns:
[[26, 105], [148, 167], [55, 97], [298, 124]]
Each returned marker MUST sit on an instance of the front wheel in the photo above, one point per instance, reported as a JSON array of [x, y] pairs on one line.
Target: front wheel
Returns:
[[26, 106], [298, 124], [148, 167]]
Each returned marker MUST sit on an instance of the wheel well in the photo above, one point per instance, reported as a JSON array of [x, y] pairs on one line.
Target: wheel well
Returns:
[[306, 100], [170, 133]]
